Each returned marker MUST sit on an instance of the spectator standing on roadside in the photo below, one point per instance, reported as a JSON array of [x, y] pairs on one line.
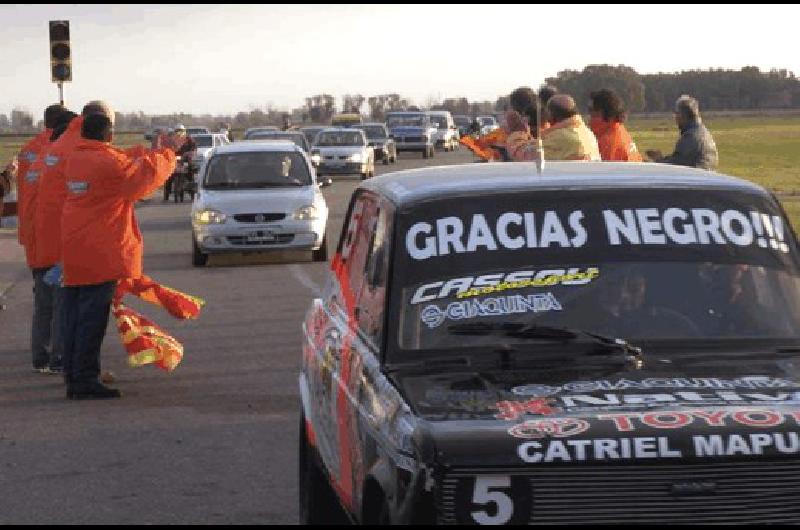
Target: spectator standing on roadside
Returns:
[[101, 242], [7, 178], [26, 157], [695, 147], [184, 146], [568, 138], [607, 123], [545, 93], [42, 248]]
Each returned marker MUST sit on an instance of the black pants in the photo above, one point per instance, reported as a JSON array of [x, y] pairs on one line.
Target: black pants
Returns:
[[84, 319]]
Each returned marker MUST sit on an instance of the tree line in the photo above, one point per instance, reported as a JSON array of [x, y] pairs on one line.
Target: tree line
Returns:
[[717, 89]]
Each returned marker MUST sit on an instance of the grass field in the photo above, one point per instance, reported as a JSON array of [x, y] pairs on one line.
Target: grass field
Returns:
[[765, 150]]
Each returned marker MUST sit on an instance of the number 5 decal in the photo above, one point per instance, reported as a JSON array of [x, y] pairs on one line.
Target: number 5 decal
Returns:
[[484, 495]]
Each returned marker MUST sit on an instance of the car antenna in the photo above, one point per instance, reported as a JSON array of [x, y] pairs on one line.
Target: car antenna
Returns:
[[539, 145]]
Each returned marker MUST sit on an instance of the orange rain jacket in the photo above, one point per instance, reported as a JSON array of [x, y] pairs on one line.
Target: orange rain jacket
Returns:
[[614, 141], [26, 195], [100, 237], [27, 206], [46, 232]]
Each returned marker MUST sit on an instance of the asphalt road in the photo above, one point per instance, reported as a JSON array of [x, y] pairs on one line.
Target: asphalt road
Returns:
[[213, 442]]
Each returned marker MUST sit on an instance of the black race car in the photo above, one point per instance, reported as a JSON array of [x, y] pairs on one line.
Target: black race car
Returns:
[[604, 343]]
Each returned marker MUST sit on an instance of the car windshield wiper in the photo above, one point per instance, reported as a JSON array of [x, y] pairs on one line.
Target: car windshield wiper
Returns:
[[601, 345]]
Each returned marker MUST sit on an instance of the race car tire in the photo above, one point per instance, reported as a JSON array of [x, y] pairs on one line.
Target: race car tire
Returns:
[[318, 501]]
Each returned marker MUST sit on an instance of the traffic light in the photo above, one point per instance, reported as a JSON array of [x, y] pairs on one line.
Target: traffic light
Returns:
[[60, 51]]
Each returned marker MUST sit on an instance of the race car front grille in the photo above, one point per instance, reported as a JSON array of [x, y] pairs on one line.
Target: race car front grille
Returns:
[[742, 492], [254, 217]]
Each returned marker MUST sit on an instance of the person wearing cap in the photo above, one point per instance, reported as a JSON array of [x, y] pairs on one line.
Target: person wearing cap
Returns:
[[696, 146], [101, 242]]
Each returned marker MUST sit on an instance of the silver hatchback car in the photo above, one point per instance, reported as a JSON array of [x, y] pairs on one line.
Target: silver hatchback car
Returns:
[[256, 197]]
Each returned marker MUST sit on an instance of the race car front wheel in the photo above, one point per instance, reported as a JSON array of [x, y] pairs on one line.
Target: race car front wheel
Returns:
[[318, 502]]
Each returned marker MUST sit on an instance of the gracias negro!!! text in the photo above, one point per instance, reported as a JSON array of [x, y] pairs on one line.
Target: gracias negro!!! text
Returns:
[[639, 226]]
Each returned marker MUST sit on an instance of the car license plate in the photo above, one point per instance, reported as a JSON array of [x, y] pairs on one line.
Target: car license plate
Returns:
[[261, 236]]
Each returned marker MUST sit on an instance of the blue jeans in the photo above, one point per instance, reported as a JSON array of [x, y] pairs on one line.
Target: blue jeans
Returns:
[[85, 311], [46, 343]]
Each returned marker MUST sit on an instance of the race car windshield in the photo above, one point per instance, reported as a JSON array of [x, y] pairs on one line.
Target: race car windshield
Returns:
[[635, 264], [203, 141], [414, 120], [374, 132], [257, 170], [339, 139]]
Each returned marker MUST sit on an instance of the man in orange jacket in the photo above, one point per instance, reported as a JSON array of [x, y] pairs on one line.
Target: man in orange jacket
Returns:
[[607, 118], [26, 157], [101, 243], [45, 324]]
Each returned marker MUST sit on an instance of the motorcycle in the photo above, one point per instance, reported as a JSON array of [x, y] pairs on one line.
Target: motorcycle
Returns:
[[181, 181]]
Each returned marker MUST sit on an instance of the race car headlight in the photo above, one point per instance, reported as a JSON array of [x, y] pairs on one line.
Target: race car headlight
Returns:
[[355, 157], [209, 216], [401, 432], [306, 213]]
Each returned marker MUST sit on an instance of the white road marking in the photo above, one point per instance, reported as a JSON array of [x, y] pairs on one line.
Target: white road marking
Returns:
[[301, 276]]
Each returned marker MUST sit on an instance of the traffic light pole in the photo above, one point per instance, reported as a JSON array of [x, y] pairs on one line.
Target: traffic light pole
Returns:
[[61, 93]]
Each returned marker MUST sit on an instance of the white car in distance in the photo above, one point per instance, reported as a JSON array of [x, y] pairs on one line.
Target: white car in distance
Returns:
[[206, 142], [343, 151], [256, 197], [488, 124], [446, 135], [254, 130]]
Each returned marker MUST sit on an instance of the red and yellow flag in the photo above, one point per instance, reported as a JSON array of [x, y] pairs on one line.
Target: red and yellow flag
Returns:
[[484, 146], [144, 341]]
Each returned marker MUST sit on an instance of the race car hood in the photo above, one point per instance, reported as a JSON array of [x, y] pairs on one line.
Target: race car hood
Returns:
[[669, 412]]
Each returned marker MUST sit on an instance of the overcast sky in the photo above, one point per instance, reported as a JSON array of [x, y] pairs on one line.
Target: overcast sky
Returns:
[[226, 58]]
